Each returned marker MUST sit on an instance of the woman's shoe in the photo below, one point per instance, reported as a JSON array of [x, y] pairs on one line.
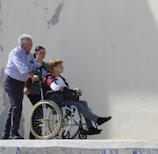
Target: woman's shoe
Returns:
[[102, 120], [93, 130]]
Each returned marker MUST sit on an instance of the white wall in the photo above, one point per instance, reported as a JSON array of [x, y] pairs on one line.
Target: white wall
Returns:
[[109, 49]]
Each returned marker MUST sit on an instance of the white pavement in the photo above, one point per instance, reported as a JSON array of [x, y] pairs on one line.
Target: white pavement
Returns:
[[79, 146]]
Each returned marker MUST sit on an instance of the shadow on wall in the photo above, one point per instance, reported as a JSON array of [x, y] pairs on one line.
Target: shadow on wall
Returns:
[[133, 77], [134, 65], [4, 106]]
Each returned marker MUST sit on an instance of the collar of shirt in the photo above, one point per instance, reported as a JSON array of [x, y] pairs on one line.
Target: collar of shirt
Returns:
[[22, 49]]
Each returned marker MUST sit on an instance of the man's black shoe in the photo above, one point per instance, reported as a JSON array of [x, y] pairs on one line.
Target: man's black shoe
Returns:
[[5, 137], [93, 130], [14, 137], [101, 120]]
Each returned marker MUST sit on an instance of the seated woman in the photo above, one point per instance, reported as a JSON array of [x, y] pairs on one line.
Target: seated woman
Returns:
[[56, 67]]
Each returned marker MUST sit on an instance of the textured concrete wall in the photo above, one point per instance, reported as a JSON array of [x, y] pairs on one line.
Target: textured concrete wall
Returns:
[[109, 49], [78, 147]]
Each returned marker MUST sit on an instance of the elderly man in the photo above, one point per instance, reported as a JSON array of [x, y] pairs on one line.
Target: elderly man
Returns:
[[19, 67]]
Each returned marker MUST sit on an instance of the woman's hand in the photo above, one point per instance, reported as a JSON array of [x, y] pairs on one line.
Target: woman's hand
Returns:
[[62, 88], [26, 91], [79, 91]]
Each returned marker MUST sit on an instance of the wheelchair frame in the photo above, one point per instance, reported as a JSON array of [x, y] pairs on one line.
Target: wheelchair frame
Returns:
[[48, 120]]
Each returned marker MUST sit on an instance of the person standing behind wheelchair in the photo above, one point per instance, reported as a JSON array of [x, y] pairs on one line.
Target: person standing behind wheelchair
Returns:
[[56, 67], [32, 89], [19, 68]]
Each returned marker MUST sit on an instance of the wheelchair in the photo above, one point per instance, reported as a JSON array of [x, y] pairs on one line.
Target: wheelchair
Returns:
[[53, 120], [49, 120]]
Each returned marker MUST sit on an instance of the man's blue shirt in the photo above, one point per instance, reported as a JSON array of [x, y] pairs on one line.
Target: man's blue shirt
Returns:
[[19, 63]]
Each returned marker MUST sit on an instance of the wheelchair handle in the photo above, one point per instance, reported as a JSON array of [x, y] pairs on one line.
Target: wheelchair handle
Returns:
[[39, 70]]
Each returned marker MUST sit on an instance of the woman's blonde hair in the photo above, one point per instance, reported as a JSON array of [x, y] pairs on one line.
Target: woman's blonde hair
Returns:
[[54, 63]]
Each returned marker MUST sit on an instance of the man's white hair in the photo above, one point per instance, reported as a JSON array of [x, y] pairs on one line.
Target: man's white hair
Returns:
[[23, 39]]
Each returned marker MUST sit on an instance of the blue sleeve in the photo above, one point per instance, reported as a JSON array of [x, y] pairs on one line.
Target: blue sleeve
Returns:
[[18, 61]]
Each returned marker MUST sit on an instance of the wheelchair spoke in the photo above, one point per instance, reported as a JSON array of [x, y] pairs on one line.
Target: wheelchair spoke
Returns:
[[71, 123], [45, 120]]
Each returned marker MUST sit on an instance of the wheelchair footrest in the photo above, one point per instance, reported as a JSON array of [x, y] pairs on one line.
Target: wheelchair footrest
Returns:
[[86, 132]]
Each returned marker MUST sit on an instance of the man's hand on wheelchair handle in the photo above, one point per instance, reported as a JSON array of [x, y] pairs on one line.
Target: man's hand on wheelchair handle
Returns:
[[35, 78], [32, 76]]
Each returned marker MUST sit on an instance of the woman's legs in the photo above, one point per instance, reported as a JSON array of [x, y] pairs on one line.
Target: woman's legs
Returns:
[[83, 108]]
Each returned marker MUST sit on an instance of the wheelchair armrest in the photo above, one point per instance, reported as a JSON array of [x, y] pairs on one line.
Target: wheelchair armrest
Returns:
[[51, 92], [48, 93]]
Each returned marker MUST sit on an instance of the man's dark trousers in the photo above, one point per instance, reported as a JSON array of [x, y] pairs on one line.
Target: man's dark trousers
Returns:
[[14, 89]]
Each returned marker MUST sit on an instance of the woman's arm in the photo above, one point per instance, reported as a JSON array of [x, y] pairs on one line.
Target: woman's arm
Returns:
[[56, 87]]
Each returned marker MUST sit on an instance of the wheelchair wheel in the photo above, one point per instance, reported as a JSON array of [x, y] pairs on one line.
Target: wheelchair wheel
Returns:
[[82, 136], [45, 119], [71, 123], [67, 136]]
